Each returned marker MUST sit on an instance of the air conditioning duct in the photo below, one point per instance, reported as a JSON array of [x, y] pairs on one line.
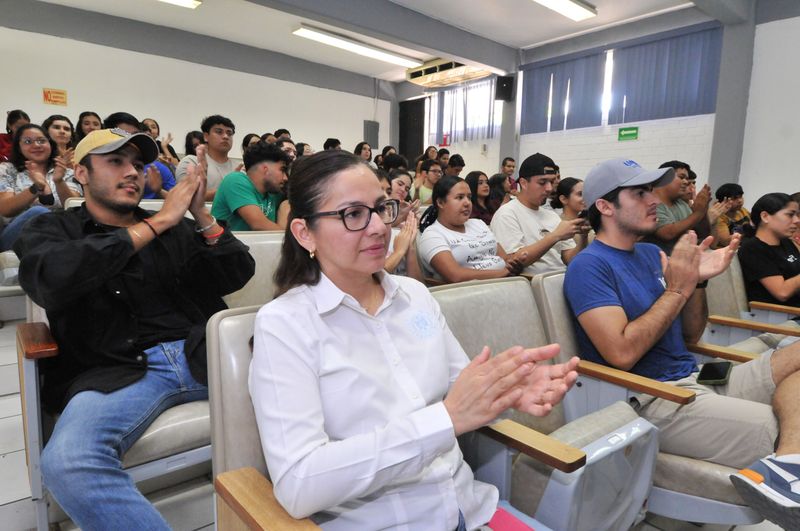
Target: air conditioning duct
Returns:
[[443, 73]]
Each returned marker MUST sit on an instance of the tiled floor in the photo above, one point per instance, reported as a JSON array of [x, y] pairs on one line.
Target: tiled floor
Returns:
[[16, 509]]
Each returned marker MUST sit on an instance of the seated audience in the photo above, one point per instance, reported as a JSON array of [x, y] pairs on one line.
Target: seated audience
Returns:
[[35, 180], [455, 247], [443, 156], [770, 261], [88, 121], [736, 217], [454, 165], [507, 168], [168, 155], [796, 236], [554, 192], [691, 188], [129, 319], [331, 143], [675, 215], [287, 146], [430, 173], [429, 154], [393, 161], [269, 138], [388, 150], [249, 200], [193, 139], [479, 187], [500, 190], [364, 151], [303, 149], [399, 186], [635, 310], [60, 129], [401, 256], [14, 120], [159, 179], [280, 134], [523, 226], [378, 160], [218, 134], [569, 201], [372, 405]]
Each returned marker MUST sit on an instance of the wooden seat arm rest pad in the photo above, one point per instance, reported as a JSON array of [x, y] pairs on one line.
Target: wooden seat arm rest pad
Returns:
[[717, 351], [637, 383], [537, 445], [754, 325], [768, 306], [35, 342], [248, 495]]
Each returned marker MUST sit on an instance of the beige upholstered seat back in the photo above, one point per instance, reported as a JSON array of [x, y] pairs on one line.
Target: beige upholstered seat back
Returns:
[[265, 247], [500, 314], [726, 293], [153, 205], [235, 441], [548, 290]]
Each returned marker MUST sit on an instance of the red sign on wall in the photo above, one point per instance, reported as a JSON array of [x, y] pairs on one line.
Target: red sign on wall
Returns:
[[52, 96]]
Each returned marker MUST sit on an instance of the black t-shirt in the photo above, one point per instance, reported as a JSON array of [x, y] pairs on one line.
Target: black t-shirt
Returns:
[[760, 260]]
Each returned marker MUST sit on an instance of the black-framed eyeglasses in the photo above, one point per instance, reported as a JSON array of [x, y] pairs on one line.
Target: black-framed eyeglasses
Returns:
[[357, 217]]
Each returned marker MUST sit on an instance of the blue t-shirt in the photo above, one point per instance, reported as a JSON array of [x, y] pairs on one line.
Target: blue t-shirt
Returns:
[[167, 180], [604, 276]]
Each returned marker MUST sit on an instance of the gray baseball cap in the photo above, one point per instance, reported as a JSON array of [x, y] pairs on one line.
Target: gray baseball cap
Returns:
[[617, 173]]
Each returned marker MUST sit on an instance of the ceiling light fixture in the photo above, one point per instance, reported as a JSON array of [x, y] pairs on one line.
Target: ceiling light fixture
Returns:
[[191, 4], [344, 43], [576, 10]]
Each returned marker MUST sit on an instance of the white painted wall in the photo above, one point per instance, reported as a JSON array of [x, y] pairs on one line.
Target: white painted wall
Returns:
[[479, 155], [577, 150], [772, 132], [178, 94]]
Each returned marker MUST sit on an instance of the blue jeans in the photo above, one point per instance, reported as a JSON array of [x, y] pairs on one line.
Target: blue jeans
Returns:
[[82, 462], [12, 231]]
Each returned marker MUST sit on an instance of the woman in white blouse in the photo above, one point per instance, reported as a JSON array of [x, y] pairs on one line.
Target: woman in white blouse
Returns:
[[455, 247], [358, 385]]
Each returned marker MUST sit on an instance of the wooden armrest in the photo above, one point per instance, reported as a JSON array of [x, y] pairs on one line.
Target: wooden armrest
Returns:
[[245, 501], [768, 306], [717, 351], [537, 445], [637, 383], [35, 342], [754, 325]]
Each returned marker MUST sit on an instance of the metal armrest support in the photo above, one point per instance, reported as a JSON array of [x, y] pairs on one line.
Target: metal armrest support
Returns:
[[769, 307], [35, 342], [754, 325], [718, 351], [635, 382], [245, 501], [536, 445]]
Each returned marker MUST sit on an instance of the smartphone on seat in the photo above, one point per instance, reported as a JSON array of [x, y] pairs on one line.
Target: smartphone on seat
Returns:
[[715, 373]]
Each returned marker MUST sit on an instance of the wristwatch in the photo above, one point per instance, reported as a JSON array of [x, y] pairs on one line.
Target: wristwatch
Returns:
[[35, 190]]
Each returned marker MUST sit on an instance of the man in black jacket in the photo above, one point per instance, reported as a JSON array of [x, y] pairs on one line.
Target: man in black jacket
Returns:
[[127, 293]]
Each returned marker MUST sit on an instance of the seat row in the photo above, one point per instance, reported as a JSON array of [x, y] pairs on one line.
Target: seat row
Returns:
[[591, 460]]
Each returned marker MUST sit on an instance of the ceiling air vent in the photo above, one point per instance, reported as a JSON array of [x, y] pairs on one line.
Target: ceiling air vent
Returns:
[[443, 73]]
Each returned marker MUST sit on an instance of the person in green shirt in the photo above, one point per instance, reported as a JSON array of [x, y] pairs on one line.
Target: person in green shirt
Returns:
[[249, 200]]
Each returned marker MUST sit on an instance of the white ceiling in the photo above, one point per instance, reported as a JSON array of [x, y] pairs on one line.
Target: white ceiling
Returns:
[[515, 23], [525, 24]]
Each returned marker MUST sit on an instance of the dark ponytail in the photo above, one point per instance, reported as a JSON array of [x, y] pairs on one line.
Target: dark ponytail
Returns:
[[311, 176], [770, 203], [440, 191]]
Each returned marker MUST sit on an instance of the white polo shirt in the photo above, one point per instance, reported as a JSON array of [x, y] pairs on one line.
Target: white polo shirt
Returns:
[[349, 408]]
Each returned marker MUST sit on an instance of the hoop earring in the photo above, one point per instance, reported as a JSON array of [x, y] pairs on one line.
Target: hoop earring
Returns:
[[311, 254]]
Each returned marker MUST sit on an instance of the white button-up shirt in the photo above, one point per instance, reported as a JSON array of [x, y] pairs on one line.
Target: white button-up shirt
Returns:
[[349, 408]]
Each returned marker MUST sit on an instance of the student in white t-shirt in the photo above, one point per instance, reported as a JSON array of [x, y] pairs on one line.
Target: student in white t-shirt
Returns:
[[218, 133], [522, 225], [453, 247]]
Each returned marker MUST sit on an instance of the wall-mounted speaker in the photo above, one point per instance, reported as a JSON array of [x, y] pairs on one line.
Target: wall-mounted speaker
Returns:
[[504, 89]]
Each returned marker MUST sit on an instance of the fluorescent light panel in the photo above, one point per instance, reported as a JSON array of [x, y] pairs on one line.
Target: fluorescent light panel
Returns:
[[191, 4], [573, 9], [344, 43]]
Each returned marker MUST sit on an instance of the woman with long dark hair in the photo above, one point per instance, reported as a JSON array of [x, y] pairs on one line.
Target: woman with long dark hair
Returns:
[[193, 139], [356, 380], [60, 129], [479, 186], [34, 181], [770, 261], [455, 247], [88, 121], [14, 120], [167, 155], [499, 190]]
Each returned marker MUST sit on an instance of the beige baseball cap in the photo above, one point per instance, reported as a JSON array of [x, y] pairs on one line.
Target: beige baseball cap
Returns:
[[108, 140]]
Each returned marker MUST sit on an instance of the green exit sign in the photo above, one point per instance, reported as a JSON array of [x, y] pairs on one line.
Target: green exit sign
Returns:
[[628, 133]]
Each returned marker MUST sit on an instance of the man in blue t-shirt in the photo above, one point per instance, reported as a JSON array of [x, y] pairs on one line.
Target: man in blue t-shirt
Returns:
[[634, 309]]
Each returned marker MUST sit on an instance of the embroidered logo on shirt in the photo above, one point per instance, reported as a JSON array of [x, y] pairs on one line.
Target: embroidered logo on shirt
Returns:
[[791, 259], [423, 325]]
